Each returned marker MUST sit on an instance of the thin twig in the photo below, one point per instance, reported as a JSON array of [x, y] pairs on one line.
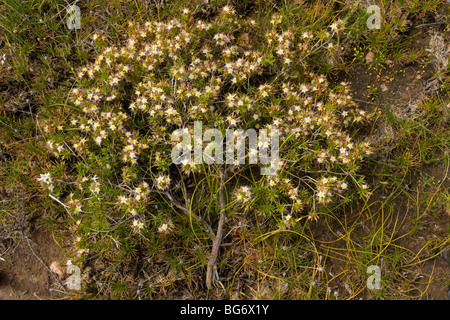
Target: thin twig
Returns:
[[57, 200], [429, 24], [218, 237]]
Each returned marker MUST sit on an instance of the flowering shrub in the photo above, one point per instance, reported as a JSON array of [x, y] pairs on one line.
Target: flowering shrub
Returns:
[[114, 150]]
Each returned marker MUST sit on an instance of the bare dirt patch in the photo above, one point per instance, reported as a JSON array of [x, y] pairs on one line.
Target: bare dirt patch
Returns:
[[24, 273]]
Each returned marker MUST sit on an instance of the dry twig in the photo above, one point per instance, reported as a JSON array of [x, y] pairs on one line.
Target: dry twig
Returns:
[[218, 237]]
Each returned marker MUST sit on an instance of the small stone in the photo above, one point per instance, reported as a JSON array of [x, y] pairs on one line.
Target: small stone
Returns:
[[55, 267], [389, 63], [370, 56], [446, 255], [383, 87]]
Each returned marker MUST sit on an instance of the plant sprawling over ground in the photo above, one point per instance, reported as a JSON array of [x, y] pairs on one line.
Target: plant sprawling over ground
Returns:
[[114, 174], [91, 121]]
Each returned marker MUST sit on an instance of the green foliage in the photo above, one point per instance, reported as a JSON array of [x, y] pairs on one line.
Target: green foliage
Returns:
[[110, 95], [116, 143]]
